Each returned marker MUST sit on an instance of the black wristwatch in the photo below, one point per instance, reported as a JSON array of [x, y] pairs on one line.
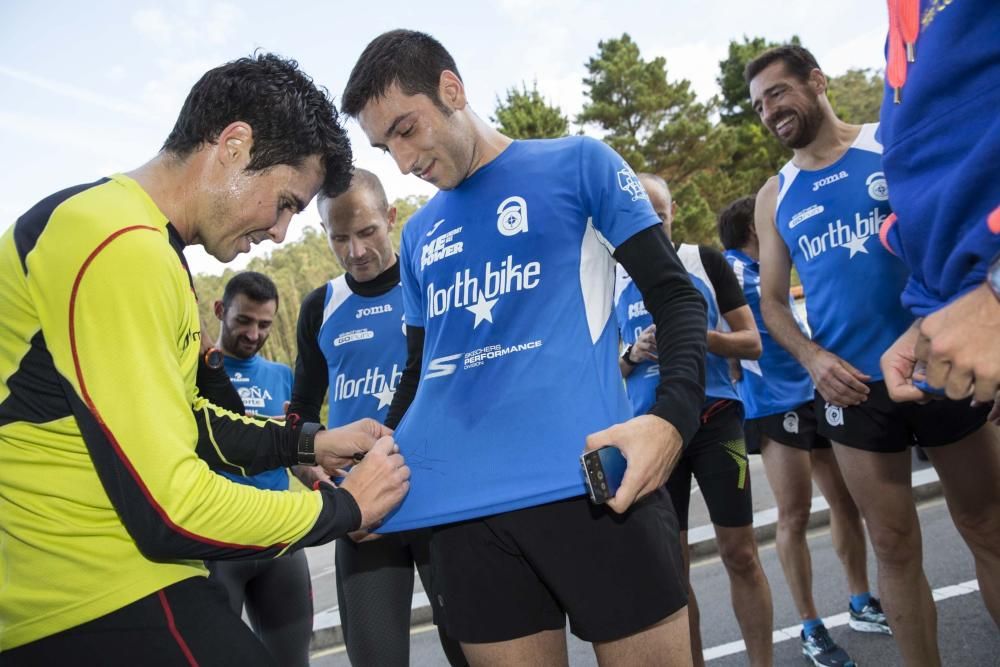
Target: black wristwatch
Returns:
[[214, 358], [625, 357], [307, 443], [993, 277]]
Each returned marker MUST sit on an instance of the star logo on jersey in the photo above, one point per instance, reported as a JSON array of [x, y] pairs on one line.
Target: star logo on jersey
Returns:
[[857, 244], [384, 397], [435, 227], [483, 309]]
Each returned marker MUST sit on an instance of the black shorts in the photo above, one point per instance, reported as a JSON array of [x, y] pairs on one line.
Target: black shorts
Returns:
[[522, 572], [882, 425], [187, 623], [793, 428], [717, 458]]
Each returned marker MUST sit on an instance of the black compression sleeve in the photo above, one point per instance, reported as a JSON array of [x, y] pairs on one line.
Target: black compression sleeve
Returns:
[[311, 377], [728, 292], [678, 310], [214, 384], [406, 389]]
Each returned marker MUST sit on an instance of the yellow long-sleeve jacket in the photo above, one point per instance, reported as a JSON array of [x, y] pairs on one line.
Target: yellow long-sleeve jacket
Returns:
[[107, 492]]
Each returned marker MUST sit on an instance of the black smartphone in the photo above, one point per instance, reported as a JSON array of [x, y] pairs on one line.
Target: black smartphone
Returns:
[[603, 470]]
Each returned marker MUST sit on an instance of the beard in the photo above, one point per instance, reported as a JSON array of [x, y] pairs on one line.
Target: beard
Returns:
[[809, 123], [237, 347]]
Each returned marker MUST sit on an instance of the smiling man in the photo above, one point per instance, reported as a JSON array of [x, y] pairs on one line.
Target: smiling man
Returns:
[[511, 372], [823, 213], [107, 450]]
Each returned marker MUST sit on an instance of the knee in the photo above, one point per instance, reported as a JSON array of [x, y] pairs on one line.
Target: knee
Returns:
[[980, 527], [896, 545], [794, 520], [740, 559]]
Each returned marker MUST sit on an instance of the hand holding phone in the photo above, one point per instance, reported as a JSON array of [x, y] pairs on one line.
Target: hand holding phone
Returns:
[[603, 470]]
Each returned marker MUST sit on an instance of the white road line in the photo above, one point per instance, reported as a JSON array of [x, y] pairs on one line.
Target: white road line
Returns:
[[792, 631]]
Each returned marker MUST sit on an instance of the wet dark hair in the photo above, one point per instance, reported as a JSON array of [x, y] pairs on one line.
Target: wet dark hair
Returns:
[[291, 118], [254, 286], [735, 222], [412, 59], [798, 60]]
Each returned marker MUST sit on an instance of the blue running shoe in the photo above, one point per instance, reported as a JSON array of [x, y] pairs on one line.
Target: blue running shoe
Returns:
[[870, 619], [820, 649]]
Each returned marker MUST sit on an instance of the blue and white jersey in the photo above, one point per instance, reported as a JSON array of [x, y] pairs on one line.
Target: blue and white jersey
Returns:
[[364, 343], [633, 318], [264, 386], [776, 382], [511, 276], [830, 221]]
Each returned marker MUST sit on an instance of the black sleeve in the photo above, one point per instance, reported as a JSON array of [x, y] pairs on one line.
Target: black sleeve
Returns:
[[214, 384], [311, 377], [245, 445], [678, 310], [728, 292], [406, 389]]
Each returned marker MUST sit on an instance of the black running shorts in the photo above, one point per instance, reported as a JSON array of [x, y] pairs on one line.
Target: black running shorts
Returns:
[[793, 428], [882, 425], [717, 458], [516, 574]]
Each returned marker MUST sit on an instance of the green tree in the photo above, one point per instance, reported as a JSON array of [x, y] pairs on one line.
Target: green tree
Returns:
[[856, 95], [524, 114], [657, 125]]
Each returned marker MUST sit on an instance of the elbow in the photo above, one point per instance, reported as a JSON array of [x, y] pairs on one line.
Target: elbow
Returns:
[[755, 349]]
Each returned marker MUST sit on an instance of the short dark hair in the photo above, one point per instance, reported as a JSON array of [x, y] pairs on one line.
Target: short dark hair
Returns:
[[412, 59], [735, 223], [798, 60], [291, 117], [254, 286]]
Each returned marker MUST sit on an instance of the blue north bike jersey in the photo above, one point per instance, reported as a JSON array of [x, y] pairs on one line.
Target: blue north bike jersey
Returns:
[[264, 386], [364, 344], [511, 276], [776, 382], [633, 319], [830, 220]]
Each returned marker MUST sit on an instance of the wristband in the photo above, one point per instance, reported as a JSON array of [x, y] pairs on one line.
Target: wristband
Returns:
[[625, 357], [307, 443]]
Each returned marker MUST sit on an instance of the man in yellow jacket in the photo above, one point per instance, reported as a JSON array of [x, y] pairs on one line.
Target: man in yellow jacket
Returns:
[[108, 499]]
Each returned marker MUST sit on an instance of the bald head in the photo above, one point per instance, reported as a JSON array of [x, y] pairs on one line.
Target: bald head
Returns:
[[659, 197], [357, 225]]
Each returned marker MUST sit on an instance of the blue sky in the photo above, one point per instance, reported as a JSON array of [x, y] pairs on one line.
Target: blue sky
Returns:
[[90, 89]]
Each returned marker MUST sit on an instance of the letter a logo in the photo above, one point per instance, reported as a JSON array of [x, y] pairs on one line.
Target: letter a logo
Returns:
[[512, 216]]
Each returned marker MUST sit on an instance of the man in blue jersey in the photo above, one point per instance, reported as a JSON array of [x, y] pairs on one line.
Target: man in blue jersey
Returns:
[[778, 398], [823, 213], [512, 371], [277, 593], [351, 341], [716, 456]]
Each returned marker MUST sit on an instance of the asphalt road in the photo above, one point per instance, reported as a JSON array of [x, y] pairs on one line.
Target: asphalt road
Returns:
[[966, 633]]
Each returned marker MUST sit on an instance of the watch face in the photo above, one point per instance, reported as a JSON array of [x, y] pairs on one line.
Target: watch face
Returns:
[[213, 358]]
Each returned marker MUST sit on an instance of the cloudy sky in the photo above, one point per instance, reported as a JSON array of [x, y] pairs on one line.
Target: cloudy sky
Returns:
[[90, 89]]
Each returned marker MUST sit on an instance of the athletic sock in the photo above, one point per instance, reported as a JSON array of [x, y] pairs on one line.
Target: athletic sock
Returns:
[[810, 624], [859, 601]]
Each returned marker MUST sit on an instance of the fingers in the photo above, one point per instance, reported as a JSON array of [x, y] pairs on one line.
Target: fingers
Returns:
[[627, 493], [598, 440], [385, 446]]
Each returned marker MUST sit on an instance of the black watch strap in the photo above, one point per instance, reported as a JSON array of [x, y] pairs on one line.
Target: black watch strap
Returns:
[[307, 443], [625, 357]]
